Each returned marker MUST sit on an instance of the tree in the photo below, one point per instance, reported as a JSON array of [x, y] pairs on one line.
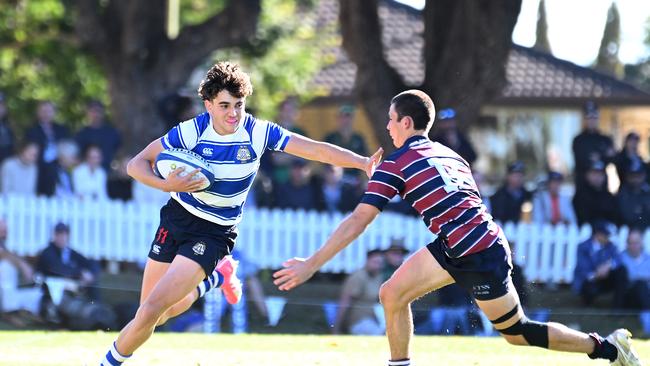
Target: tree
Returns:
[[466, 43], [541, 32], [608, 60], [120, 52]]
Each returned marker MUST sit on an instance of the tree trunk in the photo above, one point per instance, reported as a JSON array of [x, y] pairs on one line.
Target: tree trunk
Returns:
[[142, 65], [466, 47]]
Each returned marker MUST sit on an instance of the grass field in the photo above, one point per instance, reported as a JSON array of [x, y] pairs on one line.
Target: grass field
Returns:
[[67, 348]]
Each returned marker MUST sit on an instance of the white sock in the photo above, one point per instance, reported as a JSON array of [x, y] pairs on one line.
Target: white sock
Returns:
[[113, 357], [209, 283]]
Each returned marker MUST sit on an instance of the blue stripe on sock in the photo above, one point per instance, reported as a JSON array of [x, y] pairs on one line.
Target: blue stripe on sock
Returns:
[[112, 360], [219, 279]]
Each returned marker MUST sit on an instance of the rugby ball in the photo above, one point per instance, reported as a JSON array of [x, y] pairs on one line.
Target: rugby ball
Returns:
[[169, 160]]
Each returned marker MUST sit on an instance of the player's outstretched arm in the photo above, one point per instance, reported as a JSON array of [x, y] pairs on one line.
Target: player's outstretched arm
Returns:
[[298, 270], [324, 152], [140, 169]]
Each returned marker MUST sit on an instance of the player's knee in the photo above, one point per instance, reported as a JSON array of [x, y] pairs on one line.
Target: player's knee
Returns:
[[150, 312], [388, 295]]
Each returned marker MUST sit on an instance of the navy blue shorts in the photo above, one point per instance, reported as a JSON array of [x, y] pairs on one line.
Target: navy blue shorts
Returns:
[[485, 275], [181, 233]]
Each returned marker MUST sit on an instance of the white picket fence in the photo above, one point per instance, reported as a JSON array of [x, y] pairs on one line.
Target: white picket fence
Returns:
[[118, 231]]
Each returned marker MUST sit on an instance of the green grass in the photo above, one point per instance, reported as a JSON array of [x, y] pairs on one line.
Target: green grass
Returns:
[[86, 348]]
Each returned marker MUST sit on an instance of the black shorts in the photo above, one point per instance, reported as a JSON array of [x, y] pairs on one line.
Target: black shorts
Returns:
[[182, 233], [485, 275]]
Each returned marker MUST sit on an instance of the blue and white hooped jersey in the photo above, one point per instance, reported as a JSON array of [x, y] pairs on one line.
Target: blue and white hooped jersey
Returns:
[[234, 158]]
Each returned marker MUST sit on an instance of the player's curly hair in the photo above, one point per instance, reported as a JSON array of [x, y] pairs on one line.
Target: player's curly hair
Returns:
[[416, 104], [225, 76]]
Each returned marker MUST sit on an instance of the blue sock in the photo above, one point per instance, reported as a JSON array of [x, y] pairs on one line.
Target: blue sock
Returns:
[[113, 357], [402, 362], [209, 283]]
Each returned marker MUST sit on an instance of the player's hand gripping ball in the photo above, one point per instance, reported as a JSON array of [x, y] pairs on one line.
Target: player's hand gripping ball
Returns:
[[169, 160]]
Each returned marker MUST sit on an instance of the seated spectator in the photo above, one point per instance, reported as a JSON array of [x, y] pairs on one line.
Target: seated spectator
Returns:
[[89, 178], [637, 263], [66, 161], [19, 173], [59, 260], [47, 134], [634, 197], [345, 136], [98, 132], [359, 296], [446, 133], [7, 138], [593, 201], [550, 205], [299, 192], [15, 272], [628, 154], [394, 256], [598, 269], [507, 201]]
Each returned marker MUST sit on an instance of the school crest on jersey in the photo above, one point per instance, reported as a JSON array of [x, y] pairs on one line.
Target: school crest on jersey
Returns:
[[243, 153], [199, 248]]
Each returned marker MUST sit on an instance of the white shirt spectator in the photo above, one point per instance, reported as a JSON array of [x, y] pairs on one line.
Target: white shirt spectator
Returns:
[[89, 183], [18, 177]]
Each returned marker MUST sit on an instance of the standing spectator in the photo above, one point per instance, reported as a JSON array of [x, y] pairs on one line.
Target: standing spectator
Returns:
[[359, 295], [347, 138], [446, 133], [89, 178], [46, 133], [7, 138], [176, 107], [99, 133], [598, 269], [590, 145], [15, 272], [507, 201], [593, 201], [299, 192], [66, 161], [634, 197], [277, 165], [550, 205], [19, 173], [628, 154], [637, 263]]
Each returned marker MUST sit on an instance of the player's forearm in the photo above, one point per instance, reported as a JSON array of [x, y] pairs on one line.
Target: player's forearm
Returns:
[[349, 230], [335, 155], [140, 170]]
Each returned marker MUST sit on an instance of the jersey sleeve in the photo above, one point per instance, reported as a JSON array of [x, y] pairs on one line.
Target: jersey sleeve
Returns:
[[185, 135], [385, 183], [276, 135]]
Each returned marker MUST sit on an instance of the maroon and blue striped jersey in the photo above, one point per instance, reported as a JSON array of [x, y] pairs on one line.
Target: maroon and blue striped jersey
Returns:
[[438, 183]]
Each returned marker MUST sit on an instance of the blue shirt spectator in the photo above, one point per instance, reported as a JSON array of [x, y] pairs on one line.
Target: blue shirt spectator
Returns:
[[99, 133]]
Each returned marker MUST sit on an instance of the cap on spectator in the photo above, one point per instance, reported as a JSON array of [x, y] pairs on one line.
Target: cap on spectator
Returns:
[[61, 227], [632, 136], [447, 113], [597, 165], [372, 252], [346, 109], [517, 167], [556, 176], [602, 227], [590, 109], [636, 167], [396, 245]]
